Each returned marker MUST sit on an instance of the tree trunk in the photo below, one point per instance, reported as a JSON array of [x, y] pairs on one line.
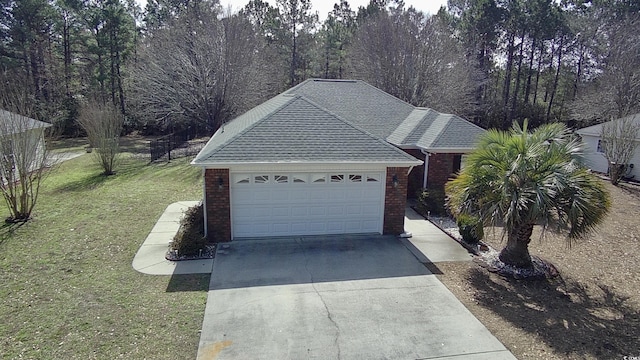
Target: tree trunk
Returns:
[[538, 69], [507, 82], [530, 70], [555, 80], [516, 88], [516, 253]]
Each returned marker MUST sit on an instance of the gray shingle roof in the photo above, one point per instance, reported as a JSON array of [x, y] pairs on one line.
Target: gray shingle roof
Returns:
[[336, 121], [298, 131], [365, 106], [596, 130], [431, 130], [14, 123]]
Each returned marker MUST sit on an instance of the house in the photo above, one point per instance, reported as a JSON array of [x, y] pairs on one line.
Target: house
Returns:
[[594, 154], [326, 157], [19, 132]]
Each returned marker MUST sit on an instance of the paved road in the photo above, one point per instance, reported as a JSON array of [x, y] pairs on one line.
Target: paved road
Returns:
[[335, 297]]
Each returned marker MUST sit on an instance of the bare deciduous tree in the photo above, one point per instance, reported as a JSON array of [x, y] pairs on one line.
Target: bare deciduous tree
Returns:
[[103, 124], [23, 161], [615, 92], [199, 71], [619, 143], [414, 58]]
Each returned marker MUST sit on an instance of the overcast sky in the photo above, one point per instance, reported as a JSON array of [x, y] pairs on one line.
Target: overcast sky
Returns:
[[325, 6]]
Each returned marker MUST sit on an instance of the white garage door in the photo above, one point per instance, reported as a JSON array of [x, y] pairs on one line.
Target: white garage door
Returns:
[[280, 204]]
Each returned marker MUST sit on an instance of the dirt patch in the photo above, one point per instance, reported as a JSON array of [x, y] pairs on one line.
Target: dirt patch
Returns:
[[592, 311]]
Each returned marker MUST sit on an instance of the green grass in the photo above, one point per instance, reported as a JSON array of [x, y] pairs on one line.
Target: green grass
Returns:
[[68, 290]]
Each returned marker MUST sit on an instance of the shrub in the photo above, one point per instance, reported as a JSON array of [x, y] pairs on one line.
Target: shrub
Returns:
[[431, 200], [190, 238], [470, 228]]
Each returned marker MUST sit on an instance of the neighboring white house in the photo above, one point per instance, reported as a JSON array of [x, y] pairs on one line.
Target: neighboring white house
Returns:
[[594, 154], [21, 132]]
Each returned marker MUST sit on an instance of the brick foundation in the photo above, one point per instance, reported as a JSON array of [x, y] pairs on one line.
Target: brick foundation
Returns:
[[218, 205], [395, 200]]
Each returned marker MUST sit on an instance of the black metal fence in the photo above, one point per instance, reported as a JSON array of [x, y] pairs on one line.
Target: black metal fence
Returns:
[[175, 145]]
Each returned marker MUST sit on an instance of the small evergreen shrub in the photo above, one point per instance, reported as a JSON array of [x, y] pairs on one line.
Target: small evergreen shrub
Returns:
[[431, 201], [190, 237], [470, 228]]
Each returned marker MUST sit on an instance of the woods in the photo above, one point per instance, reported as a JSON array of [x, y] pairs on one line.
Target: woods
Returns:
[[191, 64]]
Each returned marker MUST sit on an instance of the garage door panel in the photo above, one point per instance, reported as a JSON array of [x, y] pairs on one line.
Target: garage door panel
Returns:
[[370, 209], [343, 203], [336, 210], [281, 228], [280, 195], [280, 211], [299, 227], [316, 227], [370, 225], [355, 193], [317, 194], [261, 196], [355, 209], [337, 194], [299, 211], [317, 210], [335, 226]]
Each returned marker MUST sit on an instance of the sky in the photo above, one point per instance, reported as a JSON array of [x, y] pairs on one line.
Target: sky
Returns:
[[323, 7]]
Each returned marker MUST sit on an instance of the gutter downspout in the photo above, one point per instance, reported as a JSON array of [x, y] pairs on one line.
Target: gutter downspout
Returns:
[[426, 167], [204, 201]]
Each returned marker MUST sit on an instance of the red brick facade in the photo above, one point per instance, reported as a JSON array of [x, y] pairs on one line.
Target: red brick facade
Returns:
[[441, 169], [395, 200], [218, 205]]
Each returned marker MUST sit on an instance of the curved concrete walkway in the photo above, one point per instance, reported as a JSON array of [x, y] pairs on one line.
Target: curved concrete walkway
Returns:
[[150, 257]]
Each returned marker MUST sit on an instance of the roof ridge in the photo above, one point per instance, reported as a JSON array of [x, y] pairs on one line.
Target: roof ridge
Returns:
[[397, 99], [406, 126], [441, 129]]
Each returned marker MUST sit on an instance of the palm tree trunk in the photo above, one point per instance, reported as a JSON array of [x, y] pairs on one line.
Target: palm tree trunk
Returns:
[[516, 253]]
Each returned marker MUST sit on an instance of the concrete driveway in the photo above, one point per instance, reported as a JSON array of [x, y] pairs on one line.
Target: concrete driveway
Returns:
[[335, 297]]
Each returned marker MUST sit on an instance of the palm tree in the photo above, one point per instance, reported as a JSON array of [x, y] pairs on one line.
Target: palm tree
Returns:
[[518, 179]]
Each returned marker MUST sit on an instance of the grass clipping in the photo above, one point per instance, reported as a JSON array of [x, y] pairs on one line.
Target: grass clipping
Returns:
[[190, 242]]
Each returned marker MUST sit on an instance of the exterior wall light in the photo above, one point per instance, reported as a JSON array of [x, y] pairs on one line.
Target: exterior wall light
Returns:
[[220, 183], [395, 181]]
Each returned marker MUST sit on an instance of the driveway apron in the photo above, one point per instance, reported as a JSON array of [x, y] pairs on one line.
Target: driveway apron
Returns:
[[335, 297]]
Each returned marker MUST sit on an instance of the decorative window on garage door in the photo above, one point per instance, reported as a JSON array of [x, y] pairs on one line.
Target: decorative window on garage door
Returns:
[[306, 178]]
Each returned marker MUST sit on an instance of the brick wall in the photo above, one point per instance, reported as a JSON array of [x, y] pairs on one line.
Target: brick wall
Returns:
[[441, 169], [416, 177], [395, 200], [218, 205]]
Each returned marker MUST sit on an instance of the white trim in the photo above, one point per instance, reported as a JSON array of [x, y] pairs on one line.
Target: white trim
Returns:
[[204, 203], [425, 175], [439, 150], [307, 167], [364, 165]]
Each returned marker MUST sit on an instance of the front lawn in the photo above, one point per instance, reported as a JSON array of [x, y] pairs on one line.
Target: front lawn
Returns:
[[68, 290]]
